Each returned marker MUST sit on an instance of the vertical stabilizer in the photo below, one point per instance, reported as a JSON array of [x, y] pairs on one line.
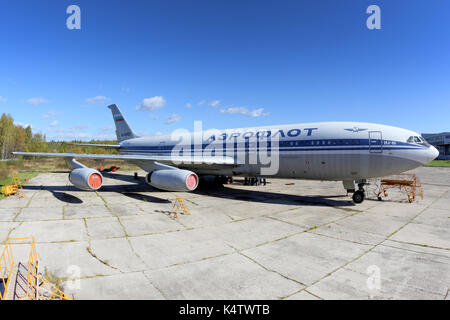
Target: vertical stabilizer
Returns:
[[123, 130]]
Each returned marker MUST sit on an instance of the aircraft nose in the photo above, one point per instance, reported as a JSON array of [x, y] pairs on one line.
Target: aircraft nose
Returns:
[[434, 153]]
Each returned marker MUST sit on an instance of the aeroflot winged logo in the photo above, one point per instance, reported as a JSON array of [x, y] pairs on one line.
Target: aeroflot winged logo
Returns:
[[355, 129]]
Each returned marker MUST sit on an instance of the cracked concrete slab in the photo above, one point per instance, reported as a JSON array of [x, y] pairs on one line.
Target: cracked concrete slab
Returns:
[[424, 234], [37, 214], [122, 257], [105, 228], [308, 217], [306, 257], [407, 274], [337, 231], [148, 224], [124, 209], [57, 258], [228, 277], [162, 250], [132, 286], [303, 295], [73, 211], [52, 231], [8, 214], [253, 232]]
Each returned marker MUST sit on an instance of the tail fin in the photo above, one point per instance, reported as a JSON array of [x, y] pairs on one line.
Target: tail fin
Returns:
[[123, 130]]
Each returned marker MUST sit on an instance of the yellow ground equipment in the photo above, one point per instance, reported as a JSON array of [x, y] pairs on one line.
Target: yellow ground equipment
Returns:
[[23, 281], [14, 188], [178, 207], [404, 182]]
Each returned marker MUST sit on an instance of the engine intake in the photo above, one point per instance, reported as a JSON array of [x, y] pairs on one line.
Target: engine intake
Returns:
[[86, 179], [173, 180]]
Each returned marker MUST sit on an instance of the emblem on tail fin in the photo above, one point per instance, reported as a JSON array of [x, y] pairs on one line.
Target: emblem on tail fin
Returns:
[[123, 129]]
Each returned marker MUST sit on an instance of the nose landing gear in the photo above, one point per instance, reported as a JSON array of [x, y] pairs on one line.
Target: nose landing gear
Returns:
[[358, 195]]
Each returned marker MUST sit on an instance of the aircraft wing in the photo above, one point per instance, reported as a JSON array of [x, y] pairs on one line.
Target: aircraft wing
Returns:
[[106, 146], [129, 157]]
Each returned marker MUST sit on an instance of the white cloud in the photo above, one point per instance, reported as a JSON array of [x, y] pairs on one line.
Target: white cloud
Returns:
[[54, 123], [257, 113], [50, 114], [173, 118], [244, 111], [106, 129], [36, 101], [80, 127], [76, 132], [201, 103], [2, 99], [151, 104], [97, 99], [214, 103], [188, 105], [23, 125]]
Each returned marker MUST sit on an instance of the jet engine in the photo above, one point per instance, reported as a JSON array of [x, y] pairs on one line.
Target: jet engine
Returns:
[[86, 179], [173, 180]]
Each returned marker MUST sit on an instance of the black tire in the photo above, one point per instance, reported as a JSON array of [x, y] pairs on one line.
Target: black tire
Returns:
[[358, 196]]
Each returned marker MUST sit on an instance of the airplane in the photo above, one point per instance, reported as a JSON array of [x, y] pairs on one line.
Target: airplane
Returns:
[[351, 152]]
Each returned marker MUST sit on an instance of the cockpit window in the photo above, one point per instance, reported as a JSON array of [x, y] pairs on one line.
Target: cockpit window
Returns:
[[418, 140]]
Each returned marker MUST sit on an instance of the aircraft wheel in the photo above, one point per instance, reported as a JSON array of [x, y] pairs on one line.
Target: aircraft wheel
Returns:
[[358, 196]]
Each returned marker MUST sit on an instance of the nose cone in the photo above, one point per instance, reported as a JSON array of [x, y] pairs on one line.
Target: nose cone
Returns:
[[434, 153]]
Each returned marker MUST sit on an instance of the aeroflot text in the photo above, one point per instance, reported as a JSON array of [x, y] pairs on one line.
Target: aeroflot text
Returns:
[[262, 134]]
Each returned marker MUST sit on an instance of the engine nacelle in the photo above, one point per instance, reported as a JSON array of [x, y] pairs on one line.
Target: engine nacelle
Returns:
[[173, 180], [86, 179]]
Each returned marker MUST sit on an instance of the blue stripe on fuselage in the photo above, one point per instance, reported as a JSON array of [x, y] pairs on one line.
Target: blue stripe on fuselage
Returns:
[[290, 145]]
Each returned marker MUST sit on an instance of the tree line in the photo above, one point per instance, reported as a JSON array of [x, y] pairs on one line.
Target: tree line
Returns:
[[14, 137]]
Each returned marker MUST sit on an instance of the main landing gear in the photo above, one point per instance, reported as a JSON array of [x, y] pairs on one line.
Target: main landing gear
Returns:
[[358, 195]]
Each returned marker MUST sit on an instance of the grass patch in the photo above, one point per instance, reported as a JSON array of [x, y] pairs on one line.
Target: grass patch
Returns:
[[23, 175], [438, 163]]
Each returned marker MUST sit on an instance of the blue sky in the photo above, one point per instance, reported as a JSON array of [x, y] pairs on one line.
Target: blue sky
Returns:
[[251, 63]]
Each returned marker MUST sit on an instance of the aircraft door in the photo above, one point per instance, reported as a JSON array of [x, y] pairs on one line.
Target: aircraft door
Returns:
[[375, 142]]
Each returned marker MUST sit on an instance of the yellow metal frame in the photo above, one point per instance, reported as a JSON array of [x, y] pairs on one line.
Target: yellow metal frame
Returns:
[[407, 182], [6, 267], [33, 276], [15, 187], [177, 206]]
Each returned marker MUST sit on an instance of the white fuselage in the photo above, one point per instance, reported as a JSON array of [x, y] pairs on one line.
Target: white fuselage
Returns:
[[321, 151]]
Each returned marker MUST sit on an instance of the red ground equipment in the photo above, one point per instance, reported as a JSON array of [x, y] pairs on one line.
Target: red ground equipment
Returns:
[[407, 182]]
